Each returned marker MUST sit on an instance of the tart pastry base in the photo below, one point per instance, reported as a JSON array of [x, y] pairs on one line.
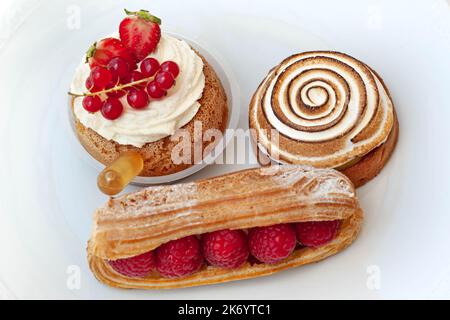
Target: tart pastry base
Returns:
[[328, 110], [370, 165], [367, 149], [361, 170]]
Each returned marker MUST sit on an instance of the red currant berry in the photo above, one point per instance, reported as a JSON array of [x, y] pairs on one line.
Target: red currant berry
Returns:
[[164, 80], [113, 82], [90, 85], [154, 91], [112, 108], [171, 67], [92, 103], [101, 77], [137, 98], [117, 93], [120, 67], [149, 67], [136, 76], [126, 79]]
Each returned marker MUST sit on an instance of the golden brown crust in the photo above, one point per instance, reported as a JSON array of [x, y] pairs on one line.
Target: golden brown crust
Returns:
[[369, 166], [372, 163], [142, 221], [213, 114]]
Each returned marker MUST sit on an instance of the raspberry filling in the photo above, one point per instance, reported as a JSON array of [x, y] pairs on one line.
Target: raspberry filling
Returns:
[[229, 249]]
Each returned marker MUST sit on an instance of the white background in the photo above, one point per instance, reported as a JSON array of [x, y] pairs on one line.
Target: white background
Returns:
[[48, 192]]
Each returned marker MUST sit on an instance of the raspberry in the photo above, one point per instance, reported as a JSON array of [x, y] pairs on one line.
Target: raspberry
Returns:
[[135, 267], [179, 258], [316, 233], [272, 244], [225, 248], [252, 260]]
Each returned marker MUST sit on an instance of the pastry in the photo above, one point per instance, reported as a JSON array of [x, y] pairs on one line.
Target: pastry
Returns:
[[328, 110], [143, 87], [241, 225]]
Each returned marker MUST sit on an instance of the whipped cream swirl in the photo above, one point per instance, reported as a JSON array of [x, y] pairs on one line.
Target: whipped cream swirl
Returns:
[[334, 107], [162, 117]]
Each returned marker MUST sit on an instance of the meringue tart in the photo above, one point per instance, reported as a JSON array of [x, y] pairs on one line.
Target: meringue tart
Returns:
[[328, 110], [134, 234]]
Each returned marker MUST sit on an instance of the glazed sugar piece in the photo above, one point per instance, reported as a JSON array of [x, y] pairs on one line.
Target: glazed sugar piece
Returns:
[[115, 177]]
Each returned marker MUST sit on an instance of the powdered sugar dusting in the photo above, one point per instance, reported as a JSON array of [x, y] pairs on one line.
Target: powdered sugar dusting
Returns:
[[320, 182], [149, 207], [154, 200]]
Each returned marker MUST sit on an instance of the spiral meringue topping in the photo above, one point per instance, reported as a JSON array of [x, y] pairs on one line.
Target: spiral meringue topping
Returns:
[[328, 108]]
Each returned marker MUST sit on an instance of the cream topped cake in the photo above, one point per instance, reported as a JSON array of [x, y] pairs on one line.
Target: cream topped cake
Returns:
[[137, 87], [140, 126]]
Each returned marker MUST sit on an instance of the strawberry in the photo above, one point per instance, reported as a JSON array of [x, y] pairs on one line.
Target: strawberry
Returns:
[[140, 32], [103, 51]]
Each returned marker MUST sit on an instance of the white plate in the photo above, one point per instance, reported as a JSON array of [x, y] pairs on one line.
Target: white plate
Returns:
[[48, 194]]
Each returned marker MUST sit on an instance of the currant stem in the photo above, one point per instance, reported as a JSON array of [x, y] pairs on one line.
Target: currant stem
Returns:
[[116, 88]]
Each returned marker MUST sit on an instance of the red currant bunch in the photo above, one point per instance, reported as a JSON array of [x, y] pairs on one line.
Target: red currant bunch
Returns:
[[164, 78], [154, 80]]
